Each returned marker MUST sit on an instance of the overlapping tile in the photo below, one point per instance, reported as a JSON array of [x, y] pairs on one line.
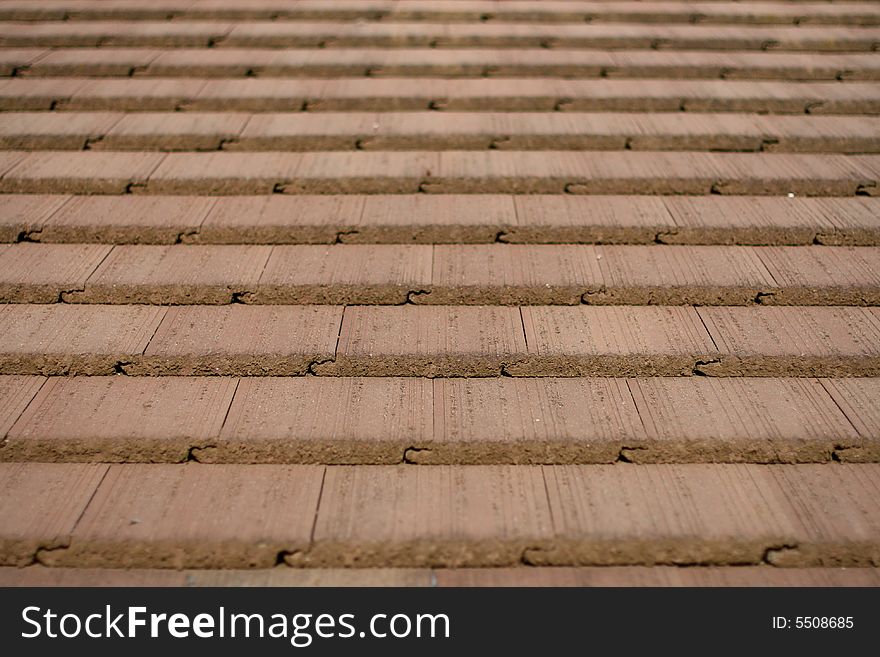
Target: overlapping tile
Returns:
[[375, 420], [46, 273], [409, 437], [420, 62], [514, 94], [781, 341], [614, 341], [241, 340], [40, 506], [246, 517], [181, 274], [344, 274], [426, 341], [128, 419], [428, 131], [62, 339]]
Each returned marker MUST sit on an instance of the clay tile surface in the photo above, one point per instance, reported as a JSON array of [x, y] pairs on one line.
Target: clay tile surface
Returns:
[[439, 292]]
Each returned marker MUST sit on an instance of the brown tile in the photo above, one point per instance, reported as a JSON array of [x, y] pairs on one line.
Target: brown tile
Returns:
[[659, 576], [426, 341], [127, 219], [62, 339], [601, 515], [802, 341], [16, 392], [112, 33], [674, 95], [612, 341], [40, 505], [783, 14], [128, 419], [708, 64], [19, 11], [543, 172], [377, 94], [177, 274], [19, 94], [9, 160], [670, 275], [392, 62], [118, 9], [504, 420], [806, 134], [257, 516], [552, 131], [858, 399], [639, 173], [454, 12], [223, 173], [326, 63], [654, 95], [485, 62], [280, 219], [442, 219], [803, 66], [502, 274], [856, 221], [24, 215], [343, 10], [162, 10], [440, 94], [429, 131], [496, 34], [12, 61], [711, 514], [92, 62], [325, 420], [175, 516], [867, 166], [344, 274], [132, 95], [240, 340], [686, 131], [426, 219], [763, 420], [783, 38], [747, 220], [817, 98], [735, 132], [28, 131], [362, 173], [739, 65], [297, 34], [662, 13], [177, 131], [209, 62], [86, 172], [251, 95], [437, 516], [818, 275], [47, 273], [769, 220], [302, 131], [584, 219], [782, 173], [838, 529]]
